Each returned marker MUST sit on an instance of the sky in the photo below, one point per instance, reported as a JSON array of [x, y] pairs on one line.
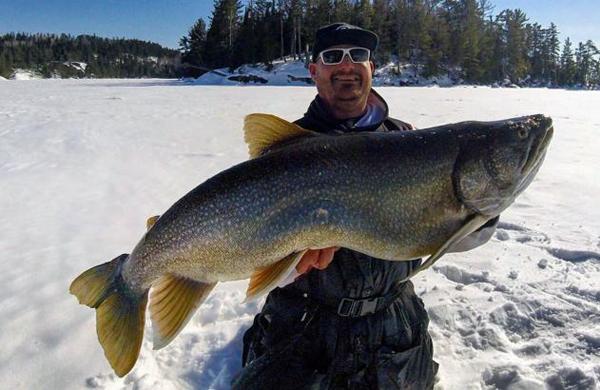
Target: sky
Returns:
[[165, 22]]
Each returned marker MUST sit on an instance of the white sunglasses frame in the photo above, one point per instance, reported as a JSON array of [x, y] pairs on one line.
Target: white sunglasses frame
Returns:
[[346, 52]]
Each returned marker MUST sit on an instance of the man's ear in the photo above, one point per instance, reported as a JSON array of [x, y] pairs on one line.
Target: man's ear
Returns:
[[312, 69], [372, 64]]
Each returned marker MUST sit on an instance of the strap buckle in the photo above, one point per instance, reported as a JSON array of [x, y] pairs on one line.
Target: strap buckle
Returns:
[[357, 307]]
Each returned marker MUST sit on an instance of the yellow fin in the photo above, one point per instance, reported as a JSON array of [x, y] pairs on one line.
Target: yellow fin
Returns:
[[264, 279], [119, 313], [94, 285], [151, 221], [173, 301], [120, 328], [261, 131]]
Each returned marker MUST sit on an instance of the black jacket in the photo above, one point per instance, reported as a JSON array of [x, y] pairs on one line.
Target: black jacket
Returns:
[[300, 340]]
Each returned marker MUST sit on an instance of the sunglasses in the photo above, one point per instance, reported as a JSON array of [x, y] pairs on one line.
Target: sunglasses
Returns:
[[335, 56]]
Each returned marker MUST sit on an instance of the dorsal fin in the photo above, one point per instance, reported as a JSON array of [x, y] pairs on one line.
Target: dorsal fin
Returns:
[[261, 131]]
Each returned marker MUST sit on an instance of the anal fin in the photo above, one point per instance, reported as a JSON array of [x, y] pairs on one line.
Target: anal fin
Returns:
[[264, 279], [173, 302]]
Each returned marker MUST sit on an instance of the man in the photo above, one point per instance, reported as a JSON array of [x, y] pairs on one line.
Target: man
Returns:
[[348, 324]]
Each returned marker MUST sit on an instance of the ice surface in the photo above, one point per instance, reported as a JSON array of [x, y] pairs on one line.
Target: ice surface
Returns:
[[84, 163]]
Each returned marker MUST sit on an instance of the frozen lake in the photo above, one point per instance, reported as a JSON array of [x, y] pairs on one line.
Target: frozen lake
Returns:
[[84, 163]]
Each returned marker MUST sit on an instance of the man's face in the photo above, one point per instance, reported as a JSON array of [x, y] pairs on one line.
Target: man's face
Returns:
[[343, 87]]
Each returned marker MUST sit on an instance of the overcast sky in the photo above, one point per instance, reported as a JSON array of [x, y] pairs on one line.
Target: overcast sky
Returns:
[[165, 22]]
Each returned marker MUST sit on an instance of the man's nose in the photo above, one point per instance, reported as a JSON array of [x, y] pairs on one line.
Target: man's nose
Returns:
[[346, 61]]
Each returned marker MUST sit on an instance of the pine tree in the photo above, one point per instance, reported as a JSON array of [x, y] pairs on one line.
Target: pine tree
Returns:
[[513, 22], [470, 37], [537, 51], [342, 11], [553, 52], [567, 65], [585, 63], [221, 34], [362, 14], [318, 14], [267, 31], [382, 25], [246, 42], [192, 45]]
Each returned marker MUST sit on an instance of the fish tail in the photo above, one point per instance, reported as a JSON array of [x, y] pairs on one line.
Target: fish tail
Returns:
[[120, 313]]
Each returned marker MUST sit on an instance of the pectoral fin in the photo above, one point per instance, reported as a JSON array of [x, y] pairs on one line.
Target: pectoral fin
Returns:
[[469, 227], [264, 279], [173, 301]]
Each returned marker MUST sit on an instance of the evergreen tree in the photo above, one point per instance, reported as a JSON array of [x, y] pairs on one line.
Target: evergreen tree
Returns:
[[552, 45], [567, 65], [362, 14], [513, 22], [246, 43], [537, 51], [221, 34], [382, 23], [585, 63], [468, 38], [318, 14], [267, 31], [192, 45], [342, 11]]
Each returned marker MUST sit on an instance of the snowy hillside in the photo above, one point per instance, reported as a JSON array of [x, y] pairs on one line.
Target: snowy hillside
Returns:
[[83, 163]]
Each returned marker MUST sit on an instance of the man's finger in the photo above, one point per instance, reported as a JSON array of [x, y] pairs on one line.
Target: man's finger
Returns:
[[325, 257], [306, 263]]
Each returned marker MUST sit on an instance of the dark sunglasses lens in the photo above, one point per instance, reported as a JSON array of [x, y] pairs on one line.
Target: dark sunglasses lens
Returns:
[[359, 55], [332, 56]]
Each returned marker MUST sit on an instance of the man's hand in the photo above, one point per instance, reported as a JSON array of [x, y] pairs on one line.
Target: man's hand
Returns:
[[316, 258]]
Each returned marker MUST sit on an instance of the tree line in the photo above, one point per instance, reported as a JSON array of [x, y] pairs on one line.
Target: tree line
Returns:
[[438, 36], [64, 55]]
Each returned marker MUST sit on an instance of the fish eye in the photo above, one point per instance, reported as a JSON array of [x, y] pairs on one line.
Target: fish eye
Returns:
[[523, 133]]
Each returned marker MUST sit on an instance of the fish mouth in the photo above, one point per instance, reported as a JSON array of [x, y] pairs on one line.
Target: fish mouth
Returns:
[[544, 131]]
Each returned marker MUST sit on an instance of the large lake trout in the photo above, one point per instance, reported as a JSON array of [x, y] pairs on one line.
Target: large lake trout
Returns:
[[395, 196]]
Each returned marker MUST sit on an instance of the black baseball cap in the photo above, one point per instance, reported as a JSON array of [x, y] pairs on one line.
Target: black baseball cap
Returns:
[[343, 34]]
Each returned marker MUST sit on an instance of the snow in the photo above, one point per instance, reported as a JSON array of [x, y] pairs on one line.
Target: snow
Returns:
[[24, 74], [83, 163], [80, 66], [287, 73]]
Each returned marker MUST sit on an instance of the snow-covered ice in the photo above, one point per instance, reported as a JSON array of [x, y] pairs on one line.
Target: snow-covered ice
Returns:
[[83, 163]]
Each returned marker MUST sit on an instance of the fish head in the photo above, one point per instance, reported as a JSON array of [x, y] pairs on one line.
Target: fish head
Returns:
[[498, 160]]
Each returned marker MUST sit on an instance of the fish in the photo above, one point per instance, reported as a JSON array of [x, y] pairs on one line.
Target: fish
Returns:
[[396, 196]]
